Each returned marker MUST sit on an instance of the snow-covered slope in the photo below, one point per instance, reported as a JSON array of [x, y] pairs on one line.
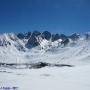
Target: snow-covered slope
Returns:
[[66, 78]]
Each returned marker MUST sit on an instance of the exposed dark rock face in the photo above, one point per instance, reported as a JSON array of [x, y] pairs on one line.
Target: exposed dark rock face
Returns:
[[36, 33], [46, 35], [24, 36], [27, 35], [4, 43], [65, 42], [21, 36], [87, 36], [55, 37], [63, 37], [32, 42], [20, 48], [74, 37]]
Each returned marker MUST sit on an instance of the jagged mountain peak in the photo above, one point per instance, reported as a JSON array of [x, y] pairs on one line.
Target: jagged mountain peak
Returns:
[[43, 39]]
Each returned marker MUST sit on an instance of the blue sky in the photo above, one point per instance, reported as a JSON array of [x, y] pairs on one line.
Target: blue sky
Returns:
[[63, 16]]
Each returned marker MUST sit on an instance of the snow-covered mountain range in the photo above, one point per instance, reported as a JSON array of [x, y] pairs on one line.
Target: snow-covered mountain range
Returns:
[[44, 47], [22, 54]]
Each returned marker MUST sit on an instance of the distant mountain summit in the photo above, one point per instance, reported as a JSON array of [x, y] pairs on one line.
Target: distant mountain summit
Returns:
[[35, 38]]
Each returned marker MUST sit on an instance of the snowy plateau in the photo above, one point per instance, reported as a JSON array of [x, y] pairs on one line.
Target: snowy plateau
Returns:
[[45, 61]]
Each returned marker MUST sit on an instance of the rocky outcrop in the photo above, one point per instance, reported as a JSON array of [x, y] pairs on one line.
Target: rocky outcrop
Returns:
[[55, 37], [32, 42], [28, 35], [46, 35], [87, 35], [21, 36], [36, 33], [65, 42], [74, 36], [4, 43]]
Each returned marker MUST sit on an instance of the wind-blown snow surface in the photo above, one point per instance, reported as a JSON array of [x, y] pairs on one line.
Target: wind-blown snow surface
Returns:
[[65, 78], [47, 78]]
